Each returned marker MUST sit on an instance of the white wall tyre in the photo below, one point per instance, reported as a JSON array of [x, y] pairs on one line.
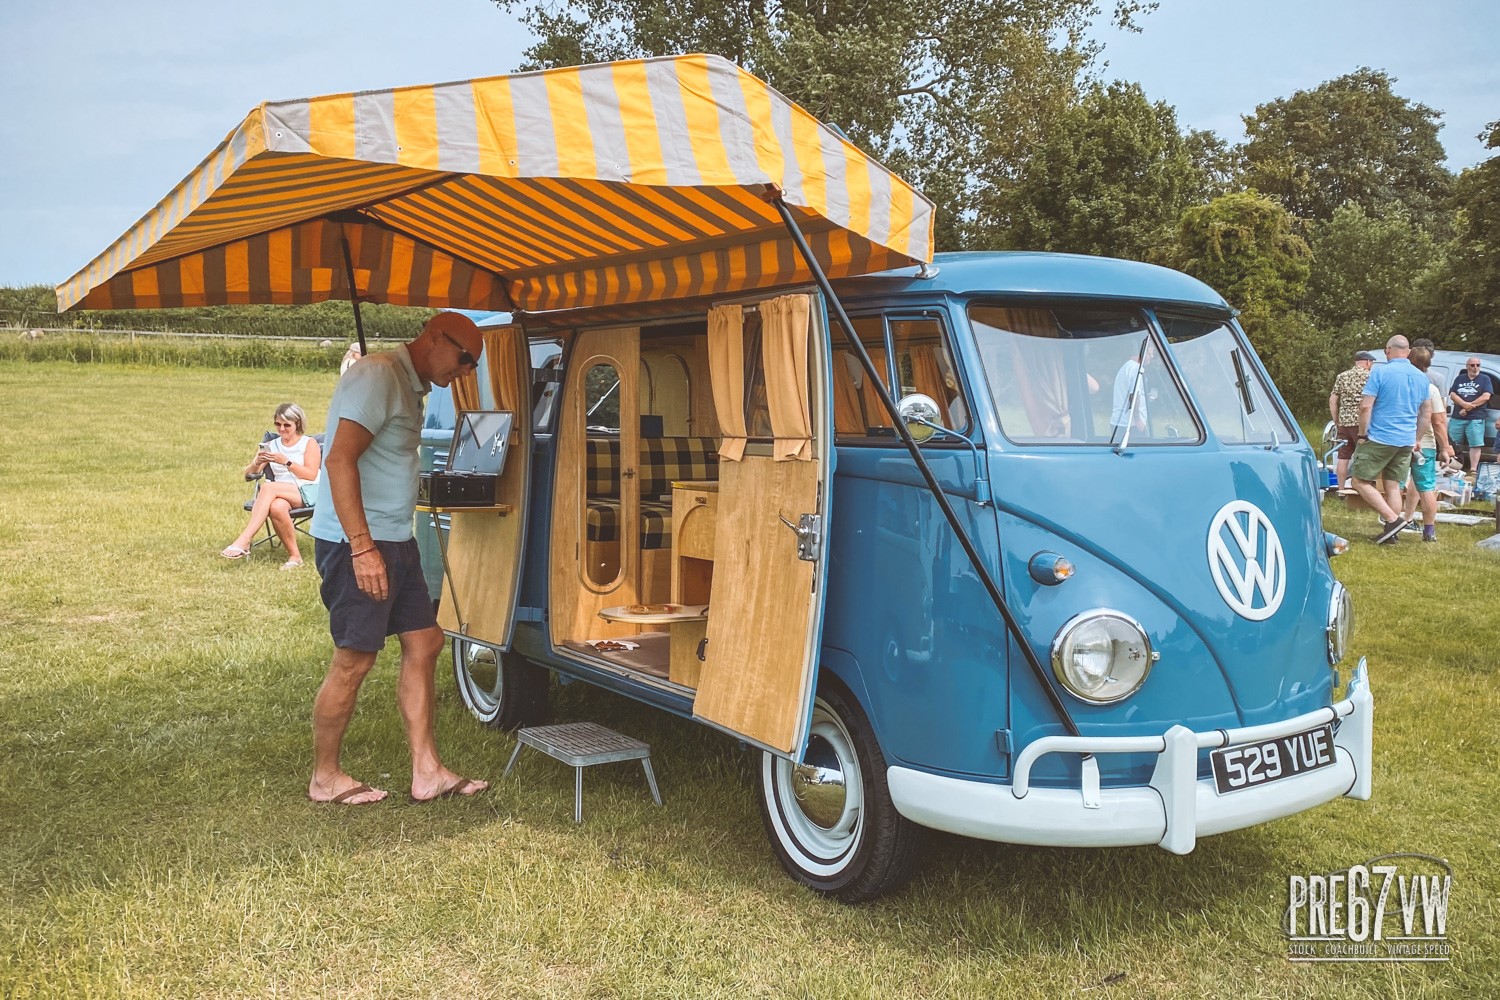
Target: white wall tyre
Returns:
[[501, 690], [830, 820]]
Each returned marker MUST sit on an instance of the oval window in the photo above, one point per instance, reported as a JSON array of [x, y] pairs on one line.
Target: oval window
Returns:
[[601, 476]]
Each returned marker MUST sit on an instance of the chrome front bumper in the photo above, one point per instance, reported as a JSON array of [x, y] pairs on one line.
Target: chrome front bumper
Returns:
[[1172, 810]]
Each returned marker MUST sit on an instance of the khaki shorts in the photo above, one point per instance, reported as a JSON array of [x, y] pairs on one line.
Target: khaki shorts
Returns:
[[1373, 460]]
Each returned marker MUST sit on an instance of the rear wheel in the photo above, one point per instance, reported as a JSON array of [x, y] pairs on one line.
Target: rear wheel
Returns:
[[502, 690], [830, 819]]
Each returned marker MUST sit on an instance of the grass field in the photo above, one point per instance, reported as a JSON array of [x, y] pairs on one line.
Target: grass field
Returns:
[[154, 704]]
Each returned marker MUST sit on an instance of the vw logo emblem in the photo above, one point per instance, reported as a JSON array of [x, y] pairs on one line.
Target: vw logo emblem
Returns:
[[1246, 559]]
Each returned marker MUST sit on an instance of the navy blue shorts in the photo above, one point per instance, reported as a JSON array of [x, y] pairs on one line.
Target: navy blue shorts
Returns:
[[356, 620]]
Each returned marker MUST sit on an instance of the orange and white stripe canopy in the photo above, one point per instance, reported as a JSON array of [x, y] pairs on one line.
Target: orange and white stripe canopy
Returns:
[[572, 188]]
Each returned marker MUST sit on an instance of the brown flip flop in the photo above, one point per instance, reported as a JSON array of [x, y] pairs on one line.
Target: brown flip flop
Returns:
[[342, 798], [455, 790]]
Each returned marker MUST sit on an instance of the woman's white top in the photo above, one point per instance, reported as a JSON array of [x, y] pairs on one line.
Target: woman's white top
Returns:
[[278, 472]]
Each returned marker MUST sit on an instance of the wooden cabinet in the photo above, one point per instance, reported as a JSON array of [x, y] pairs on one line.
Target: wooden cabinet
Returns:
[[694, 522]]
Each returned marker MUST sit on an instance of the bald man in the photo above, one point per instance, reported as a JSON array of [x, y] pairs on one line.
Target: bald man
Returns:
[[1394, 413], [368, 559]]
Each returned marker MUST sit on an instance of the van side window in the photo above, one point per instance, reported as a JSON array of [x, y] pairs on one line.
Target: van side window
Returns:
[[925, 365], [1080, 373]]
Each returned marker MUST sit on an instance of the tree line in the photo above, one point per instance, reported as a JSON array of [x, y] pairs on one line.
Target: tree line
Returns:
[[1333, 225]]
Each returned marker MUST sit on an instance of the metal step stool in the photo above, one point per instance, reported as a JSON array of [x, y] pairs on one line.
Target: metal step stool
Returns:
[[581, 744]]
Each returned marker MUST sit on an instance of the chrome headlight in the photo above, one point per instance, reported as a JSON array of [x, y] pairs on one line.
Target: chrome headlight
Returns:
[[1340, 623], [1102, 656]]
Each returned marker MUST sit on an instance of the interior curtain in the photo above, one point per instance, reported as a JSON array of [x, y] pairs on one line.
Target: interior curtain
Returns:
[[1039, 373], [510, 378], [726, 371], [927, 374], [875, 412], [466, 391], [784, 326], [848, 413]]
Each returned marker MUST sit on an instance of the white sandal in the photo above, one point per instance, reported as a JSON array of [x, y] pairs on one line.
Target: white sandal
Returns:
[[291, 564], [234, 552]]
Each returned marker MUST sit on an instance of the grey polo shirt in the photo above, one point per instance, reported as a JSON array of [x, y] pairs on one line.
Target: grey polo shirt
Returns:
[[383, 394]]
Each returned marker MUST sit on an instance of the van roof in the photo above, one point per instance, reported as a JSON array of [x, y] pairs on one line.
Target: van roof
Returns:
[[1049, 274]]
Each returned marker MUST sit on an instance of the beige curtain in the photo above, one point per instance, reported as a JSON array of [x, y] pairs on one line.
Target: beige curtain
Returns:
[[784, 325], [508, 381], [466, 391], [1039, 374], [927, 374], [848, 412], [726, 369]]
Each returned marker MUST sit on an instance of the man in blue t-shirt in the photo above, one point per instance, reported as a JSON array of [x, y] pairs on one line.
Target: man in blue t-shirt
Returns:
[[1394, 413], [367, 556], [1470, 393]]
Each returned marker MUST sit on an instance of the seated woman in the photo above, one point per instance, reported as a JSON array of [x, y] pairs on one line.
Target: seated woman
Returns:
[[291, 464]]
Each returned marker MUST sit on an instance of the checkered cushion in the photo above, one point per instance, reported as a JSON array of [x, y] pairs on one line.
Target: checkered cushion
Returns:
[[604, 521], [661, 461], [656, 524], [603, 467], [668, 458]]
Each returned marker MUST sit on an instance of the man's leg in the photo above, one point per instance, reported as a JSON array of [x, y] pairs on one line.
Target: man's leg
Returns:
[[1393, 493], [1409, 498], [332, 709], [416, 696], [1371, 495]]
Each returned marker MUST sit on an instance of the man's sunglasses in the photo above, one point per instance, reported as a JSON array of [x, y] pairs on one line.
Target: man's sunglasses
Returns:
[[464, 357]]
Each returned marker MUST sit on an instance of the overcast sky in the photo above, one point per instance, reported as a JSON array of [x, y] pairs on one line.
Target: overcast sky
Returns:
[[107, 105]]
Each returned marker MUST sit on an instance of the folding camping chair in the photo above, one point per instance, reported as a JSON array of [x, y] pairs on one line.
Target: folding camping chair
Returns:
[[300, 515]]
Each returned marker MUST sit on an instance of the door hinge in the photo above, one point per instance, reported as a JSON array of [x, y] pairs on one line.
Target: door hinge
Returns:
[[531, 614], [809, 531]]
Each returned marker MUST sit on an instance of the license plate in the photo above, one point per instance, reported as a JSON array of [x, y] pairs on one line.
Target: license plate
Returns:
[[1251, 764]]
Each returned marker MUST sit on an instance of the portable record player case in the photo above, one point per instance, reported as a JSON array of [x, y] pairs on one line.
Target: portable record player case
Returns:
[[476, 460]]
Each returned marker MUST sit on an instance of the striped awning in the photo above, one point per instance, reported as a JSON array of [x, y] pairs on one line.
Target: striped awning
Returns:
[[574, 188]]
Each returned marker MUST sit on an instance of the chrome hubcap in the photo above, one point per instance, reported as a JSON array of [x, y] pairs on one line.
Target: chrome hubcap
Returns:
[[481, 674], [818, 785]]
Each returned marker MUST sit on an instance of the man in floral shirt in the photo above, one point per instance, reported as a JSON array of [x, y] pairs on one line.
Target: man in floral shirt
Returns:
[[1343, 409]]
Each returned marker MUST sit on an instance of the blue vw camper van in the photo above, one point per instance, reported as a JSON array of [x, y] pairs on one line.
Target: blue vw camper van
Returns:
[[1113, 622]]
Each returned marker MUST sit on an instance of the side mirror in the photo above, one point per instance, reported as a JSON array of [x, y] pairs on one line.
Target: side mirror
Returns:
[[919, 412]]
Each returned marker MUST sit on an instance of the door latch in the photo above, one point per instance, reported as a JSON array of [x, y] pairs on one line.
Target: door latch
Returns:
[[809, 532]]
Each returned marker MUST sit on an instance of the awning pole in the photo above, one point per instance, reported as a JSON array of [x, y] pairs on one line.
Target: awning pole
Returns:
[[359, 326], [921, 461]]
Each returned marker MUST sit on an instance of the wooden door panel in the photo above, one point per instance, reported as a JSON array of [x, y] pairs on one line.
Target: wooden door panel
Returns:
[[575, 600], [754, 677]]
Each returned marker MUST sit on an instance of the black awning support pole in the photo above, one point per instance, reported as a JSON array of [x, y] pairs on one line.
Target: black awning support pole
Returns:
[[359, 325], [996, 597]]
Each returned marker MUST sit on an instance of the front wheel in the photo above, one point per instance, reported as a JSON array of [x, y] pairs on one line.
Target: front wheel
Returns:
[[830, 819], [501, 690]]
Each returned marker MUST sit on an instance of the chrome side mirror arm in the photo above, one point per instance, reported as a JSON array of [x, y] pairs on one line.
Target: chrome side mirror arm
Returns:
[[917, 410]]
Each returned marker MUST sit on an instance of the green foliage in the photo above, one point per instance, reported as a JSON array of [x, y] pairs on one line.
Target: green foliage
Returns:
[[1363, 268], [36, 306], [1303, 357], [1111, 177], [179, 352], [1351, 139], [951, 95], [1244, 246], [1461, 295]]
